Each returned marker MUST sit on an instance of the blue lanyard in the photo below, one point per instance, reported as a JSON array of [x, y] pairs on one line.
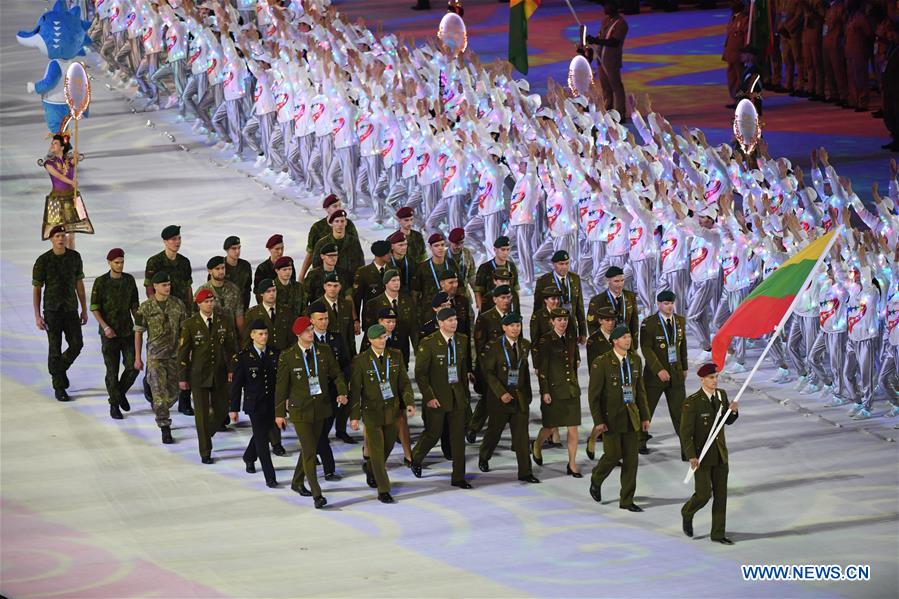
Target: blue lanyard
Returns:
[[451, 355], [559, 285], [461, 263], [629, 373], [377, 372], [314, 359], [433, 273], [665, 330], [623, 304], [509, 362], [405, 269]]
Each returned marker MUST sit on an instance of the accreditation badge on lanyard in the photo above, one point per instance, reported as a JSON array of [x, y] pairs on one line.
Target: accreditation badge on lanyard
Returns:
[[566, 293], [452, 369], [671, 343], [512, 376], [627, 391], [315, 386], [383, 384]]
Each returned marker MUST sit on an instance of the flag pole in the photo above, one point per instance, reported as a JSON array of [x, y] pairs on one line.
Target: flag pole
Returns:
[[777, 331]]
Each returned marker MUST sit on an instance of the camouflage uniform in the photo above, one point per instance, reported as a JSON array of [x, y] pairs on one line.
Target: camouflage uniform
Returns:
[[162, 321], [229, 302], [179, 271], [290, 299], [242, 276], [349, 253], [314, 283], [321, 229], [116, 300]]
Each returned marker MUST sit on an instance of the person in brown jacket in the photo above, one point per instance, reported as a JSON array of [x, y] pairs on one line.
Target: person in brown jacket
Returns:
[[812, 60], [791, 46], [611, 47], [834, 57], [734, 42], [859, 37]]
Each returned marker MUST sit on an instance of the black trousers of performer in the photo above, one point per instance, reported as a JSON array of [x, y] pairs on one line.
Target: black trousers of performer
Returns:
[[258, 445], [62, 323], [323, 449]]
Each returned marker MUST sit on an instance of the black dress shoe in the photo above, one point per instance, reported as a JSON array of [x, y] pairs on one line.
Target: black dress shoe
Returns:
[[251, 467], [386, 498], [369, 475], [572, 473], [643, 451], [483, 465], [278, 449], [206, 460], [462, 484], [416, 470], [187, 411], [332, 476], [471, 436], [346, 438], [537, 459], [65, 380], [115, 412], [61, 395], [724, 541], [320, 502], [303, 491], [688, 526], [530, 478], [595, 493], [271, 484], [167, 435], [631, 508], [123, 403]]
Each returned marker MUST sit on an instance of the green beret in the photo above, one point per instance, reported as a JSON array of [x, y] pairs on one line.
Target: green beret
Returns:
[[666, 296], [215, 262], [512, 318], [501, 242], [258, 325], [606, 313], [560, 256], [501, 290], [614, 271], [389, 274], [375, 331], [317, 308], [231, 242], [448, 274], [502, 273], [171, 231], [619, 331], [161, 277], [331, 277], [551, 291], [264, 285], [559, 313], [445, 313], [328, 248]]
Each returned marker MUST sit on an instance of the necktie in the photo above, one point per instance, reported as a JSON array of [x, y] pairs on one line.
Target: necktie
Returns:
[[670, 327], [209, 322], [394, 304], [514, 353], [381, 360], [334, 305], [271, 313], [309, 361], [381, 270], [452, 353]]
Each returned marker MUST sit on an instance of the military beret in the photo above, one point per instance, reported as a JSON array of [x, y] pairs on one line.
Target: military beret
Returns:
[[203, 295], [440, 298], [457, 235], [380, 248], [666, 296], [707, 369], [230, 242], [558, 313], [335, 215], [171, 231], [512, 318], [387, 313], [404, 212], [283, 262], [258, 325], [502, 273], [274, 240], [161, 277], [447, 274], [606, 313], [55, 230], [501, 242], [328, 248], [375, 331], [317, 308], [614, 271], [445, 313], [551, 291], [301, 324], [330, 200], [619, 331], [331, 277], [501, 290], [389, 274], [435, 238], [560, 256], [115, 253], [215, 262], [264, 285], [398, 237]]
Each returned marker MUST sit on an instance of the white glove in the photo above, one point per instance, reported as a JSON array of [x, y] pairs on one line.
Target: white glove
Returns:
[[30, 87]]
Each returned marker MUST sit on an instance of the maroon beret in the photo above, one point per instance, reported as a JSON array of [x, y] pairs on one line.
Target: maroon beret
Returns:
[[301, 324], [336, 214], [203, 295], [115, 253], [274, 240], [283, 262], [397, 237], [330, 201], [707, 369], [404, 212], [435, 237], [457, 235], [55, 230]]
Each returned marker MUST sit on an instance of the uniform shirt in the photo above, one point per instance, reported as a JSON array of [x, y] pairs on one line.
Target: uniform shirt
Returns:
[[134, 20], [197, 58], [489, 195], [343, 120], [179, 270], [862, 317], [704, 246], [302, 115], [152, 32], [455, 176], [58, 275], [832, 307], [282, 89], [229, 301], [321, 115], [368, 131], [162, 322], [525, 195], [234, 72], [116, 299], [892, 316], [428, 167], [389, 140], [262, 94], [675, 246]]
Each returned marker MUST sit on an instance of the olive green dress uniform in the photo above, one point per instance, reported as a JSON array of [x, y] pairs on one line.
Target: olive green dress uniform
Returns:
[[242, 276], [541, 324], [597, 344], [180, 273], [161, 324], [624, 421], [349, 253], [116, 299], [205, 357], [368, 284], [280, 335], [266, 270], [657, 341], [467, 270], [228, 300], [572, 299], [291, 299], [340, 322], [427, 282], [432, 361], [307, 412], [484, 284], [406, 268], [626, 310], [314, 283], [557, 363], [488, 329], [710, 478], [406, 330], [416, 248], [321, 229], [495, 367], [379, 415]]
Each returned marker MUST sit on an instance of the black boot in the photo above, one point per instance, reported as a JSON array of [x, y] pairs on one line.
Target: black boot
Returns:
[[114, 412], [167, 435], [184, 403]]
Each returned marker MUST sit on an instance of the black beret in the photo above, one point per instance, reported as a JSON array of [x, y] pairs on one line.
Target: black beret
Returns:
[[386, 313], [317, 308], [448, 274], [258, 325], [264, 285], [666, 296], [230, 242], [331, 277], [512, 318], [215, 262], [560, 256], [501, 290], [614, 271], [380, 248], [440, 298], [445, 313], [501, 242], [328, 248], [162, 277], [171, 231]]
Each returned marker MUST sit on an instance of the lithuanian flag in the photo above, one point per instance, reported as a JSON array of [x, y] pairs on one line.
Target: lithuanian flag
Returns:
[[769, 303], [519, 13]]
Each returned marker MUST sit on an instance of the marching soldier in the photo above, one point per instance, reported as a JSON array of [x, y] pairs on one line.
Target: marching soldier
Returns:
[[504, 367], [598, 344], [267, 268], [289, 294], [488, 329], [406, 330], [710, 476], [379, 391], [368, 282], [318, 314], [387, 318], [228, 300], [485, 279], [428, 273], [441, 371], [238, 270], [113, 301], [255, 374], [461, 255], [314, 281], [401, 262], [621, 300], [618, 404], [569, 286], [449, 284], [405, 217], [161, 317], [349, 252], [541, 319], [321, 229], [663, 339], [206, 350], [342, 320], [304, 371]]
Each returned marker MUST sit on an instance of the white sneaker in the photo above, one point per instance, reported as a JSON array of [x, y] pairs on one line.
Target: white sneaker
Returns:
[[827, 390], [894, 411], [862, 414], [836, 402], [236, 158], [782, 376], [180, 118], [259, 161], [801, 382], [735, 368], [171, 102], [266, 172], [856, 409], [810, 389]]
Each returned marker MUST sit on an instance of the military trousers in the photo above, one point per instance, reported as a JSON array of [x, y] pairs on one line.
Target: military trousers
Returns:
[[619, 446], [62, 323], [518, 427], [380, 439], [710, 483], [675, 394], [162, 377], [308, 433], [479, 416], [115, 350], [210, 409], [433, 430], [258, 445]]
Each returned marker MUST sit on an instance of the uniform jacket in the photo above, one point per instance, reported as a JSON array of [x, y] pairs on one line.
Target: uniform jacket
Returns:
[[254, 379], [607, 399], [432, 373], [655, 350], [280, 335], [495, 370], [573, 302], [557, 363], [627, 313], [205, 353], [366, 400], [696, 426], [292, 391]]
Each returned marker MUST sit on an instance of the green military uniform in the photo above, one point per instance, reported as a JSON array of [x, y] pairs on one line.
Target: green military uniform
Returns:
[[280, 335], [59, 276], [711, 477], [242, 276], [434, 360], [415, 247], [290, 298], [116, 300], [467, 270], [349, 254], [180, 273], [483, 283], [557, 363], [406, 268], [308, 411], [368, 284], [406, 329], [606, 394], [597, 344], [266, 270], [488, 329], [625, 307], [341, 321], [205, 357], [664, 348], [228, 300], [379, 415], [162, 323], [314, 282], [427, 281], [321, 229], [572, 299], [541, 324], [498, 361]]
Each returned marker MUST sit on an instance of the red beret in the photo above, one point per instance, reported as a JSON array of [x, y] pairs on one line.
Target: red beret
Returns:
[[457, 235], [55, 230], [397, 237], [274, 240], [301, 324], [435, 237], [336, 214], [330, 201], [203, 295], [707, 369], [283, 262], [404, 212], [115, 253]]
